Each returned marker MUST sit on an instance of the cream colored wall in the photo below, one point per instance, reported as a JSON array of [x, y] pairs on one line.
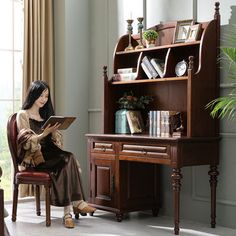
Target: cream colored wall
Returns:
[[79, 89]]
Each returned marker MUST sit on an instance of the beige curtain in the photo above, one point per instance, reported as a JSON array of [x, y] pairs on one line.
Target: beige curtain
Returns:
[[38, 53], [38, 43]]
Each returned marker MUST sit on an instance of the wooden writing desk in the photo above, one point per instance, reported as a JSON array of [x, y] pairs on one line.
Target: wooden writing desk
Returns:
[[115, 183]]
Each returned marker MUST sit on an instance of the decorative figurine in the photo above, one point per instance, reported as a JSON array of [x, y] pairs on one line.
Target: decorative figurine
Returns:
[[130, 31], [140, 30]]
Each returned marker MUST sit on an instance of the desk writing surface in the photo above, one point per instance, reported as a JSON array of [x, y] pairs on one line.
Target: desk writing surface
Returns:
[[179, 151]]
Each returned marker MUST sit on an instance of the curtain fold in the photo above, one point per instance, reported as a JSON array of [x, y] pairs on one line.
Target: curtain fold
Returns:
[[38, 53], [38, 50]]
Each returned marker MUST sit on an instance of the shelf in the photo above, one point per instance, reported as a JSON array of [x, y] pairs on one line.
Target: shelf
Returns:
[[160, 47], [139, 81]]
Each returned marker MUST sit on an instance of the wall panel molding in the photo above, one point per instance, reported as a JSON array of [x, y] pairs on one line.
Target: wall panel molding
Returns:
[[197, 197], [92, 110], [227, 85]]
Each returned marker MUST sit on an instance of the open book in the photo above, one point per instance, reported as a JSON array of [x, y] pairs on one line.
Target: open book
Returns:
[[65, 121]]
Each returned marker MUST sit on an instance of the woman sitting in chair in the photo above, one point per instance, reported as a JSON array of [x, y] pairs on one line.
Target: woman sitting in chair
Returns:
[[41, 149]]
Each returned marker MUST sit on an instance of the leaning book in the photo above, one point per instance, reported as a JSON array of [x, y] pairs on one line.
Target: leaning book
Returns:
[[135, 121], [65, 121], [159, 66]]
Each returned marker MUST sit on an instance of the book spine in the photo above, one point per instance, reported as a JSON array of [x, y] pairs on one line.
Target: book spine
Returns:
[[167, 124], [154, 122], [126, 70], [162, 130], [158, 66], [151, 123], [125, 76], [151, 69], [158, 123], [147, 72]]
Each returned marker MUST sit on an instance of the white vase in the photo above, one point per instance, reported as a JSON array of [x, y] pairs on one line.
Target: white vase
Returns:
[[150, 43]]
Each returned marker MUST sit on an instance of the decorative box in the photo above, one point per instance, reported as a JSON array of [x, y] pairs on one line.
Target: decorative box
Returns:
[[121, 123]]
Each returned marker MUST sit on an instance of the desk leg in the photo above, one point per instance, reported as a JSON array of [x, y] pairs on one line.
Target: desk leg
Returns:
[[176, 184], [213, 172]]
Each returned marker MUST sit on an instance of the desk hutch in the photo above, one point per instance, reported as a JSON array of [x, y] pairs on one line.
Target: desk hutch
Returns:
[[125, 169]]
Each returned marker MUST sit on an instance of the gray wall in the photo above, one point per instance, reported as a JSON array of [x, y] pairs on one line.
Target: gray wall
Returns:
[[79, 89], [72, 65]]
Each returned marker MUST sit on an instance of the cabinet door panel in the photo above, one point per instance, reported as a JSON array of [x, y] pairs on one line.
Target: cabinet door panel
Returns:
[[103, 180]]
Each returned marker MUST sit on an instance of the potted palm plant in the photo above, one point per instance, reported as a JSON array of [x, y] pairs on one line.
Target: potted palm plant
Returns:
[[225, 106]]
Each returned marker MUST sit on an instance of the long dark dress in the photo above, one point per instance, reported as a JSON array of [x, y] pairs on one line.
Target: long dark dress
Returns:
[[63, 168]]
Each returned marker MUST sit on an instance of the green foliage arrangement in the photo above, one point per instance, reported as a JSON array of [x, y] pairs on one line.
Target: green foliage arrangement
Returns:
[[150, 35], [225, 106], [131, 102]]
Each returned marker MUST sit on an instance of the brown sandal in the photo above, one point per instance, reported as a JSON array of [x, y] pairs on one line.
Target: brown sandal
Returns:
[[68, 221], [83, 208]]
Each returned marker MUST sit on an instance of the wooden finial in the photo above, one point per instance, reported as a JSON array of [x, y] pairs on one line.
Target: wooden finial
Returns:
[[104, 70], [217, 10], [105, 77], [191, 62]]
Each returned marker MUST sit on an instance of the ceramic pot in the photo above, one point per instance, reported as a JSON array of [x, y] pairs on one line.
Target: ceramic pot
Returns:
[[150, 43]]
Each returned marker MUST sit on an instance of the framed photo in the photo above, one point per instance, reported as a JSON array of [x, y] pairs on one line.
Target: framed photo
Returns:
[[193, 33], [135, 121], [182, 30]]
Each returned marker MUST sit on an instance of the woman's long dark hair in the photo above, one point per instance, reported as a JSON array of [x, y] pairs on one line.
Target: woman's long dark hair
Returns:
[[34, 92]]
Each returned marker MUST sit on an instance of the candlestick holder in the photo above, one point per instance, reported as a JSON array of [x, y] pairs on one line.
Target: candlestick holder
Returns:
[[140, 30], [130, 31]]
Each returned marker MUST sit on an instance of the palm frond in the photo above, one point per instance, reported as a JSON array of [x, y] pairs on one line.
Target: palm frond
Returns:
[[225, 106]]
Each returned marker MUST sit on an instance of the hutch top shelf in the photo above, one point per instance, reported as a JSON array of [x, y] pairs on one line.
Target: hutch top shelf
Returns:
[[189, 93]]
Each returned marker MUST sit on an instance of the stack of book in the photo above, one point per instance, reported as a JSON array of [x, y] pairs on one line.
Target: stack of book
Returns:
[[126, 74], [153, 67], [166, 123]]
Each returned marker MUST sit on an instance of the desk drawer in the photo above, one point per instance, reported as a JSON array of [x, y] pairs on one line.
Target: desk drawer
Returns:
[[159, 151], [103, 147]]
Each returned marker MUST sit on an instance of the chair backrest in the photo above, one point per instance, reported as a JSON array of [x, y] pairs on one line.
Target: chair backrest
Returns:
[[12, 140]]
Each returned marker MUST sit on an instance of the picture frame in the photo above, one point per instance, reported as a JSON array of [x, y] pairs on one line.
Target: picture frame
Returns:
[[135, 121], [182, 30], [193, 33]]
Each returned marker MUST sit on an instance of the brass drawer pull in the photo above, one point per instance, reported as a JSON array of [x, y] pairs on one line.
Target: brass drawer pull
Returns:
[[144, 149], [103, 146]]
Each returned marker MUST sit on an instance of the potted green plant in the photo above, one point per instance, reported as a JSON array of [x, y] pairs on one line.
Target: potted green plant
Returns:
[[225, 106], [150, 36], [131, 102], [126, 103]]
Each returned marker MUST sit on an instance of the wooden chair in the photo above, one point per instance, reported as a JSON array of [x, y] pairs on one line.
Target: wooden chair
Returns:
[[1, 208], [3, 228], [27, 176]]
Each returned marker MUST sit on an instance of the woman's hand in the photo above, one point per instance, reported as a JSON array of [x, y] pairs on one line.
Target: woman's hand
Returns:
[[49, 129]]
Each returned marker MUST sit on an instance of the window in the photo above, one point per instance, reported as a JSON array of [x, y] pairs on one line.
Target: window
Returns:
[[11, 61]]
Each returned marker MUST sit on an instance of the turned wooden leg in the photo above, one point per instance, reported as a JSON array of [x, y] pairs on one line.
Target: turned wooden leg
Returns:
[[1, 212], [155, 211], [213, 172], [37, 198], [176, 184], [48, 206], [15, 201], [119, 217]]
